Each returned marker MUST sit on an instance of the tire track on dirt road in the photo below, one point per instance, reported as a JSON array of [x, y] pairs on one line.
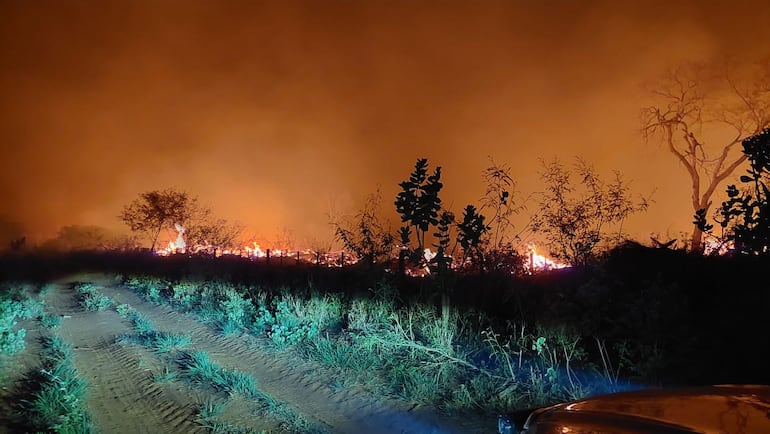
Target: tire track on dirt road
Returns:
[[121, 397]]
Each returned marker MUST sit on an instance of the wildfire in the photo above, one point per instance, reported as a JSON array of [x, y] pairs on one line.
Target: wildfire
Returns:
[[255, 251], [716, 247], [538, 262]]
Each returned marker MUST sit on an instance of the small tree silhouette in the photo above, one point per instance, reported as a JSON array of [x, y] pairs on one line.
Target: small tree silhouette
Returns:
[[746, 214], [469, 235], [419, 203]]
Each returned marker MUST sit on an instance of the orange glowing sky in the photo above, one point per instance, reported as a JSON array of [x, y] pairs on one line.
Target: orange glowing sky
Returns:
[[277, 112]]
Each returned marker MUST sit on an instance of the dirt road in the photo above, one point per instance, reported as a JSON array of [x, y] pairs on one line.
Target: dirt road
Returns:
[[125, 395]]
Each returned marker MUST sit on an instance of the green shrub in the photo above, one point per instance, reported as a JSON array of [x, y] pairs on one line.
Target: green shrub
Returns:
[[85, 288], [141, 323], [236, 308], [150, 288], [96, 302], [291, 327], [263, 320], [50, 321], [185, 295], [124, 310], [11, 341]]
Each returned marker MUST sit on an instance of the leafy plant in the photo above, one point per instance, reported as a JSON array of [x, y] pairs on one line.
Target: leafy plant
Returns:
[[96, 302], [746, 214], [123, 309], [51, 321], [11, 340], [418, 202]]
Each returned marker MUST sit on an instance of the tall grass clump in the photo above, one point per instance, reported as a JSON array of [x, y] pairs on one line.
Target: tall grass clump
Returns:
[[90, 298], [198, 368], [150, 288], [58, 405], [147, 336], [452, 361]]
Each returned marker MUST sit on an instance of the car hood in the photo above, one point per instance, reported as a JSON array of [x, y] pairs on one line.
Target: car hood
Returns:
[[713, 409]]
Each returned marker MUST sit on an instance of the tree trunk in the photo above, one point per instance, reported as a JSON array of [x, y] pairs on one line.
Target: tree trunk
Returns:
[[155, 240], [696, 240]]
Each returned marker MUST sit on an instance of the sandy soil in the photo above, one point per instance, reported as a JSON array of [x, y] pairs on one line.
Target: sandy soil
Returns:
[[124, 397]]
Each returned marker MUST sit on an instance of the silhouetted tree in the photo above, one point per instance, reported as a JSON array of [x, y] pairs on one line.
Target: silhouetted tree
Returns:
[[574, 221], [500, 198], [418, 202], [443, 237], [469, 235], [695, 104], [156, 210], [365, 235], [11, 234], [497, 249], [81, 237], [746, 214], [18, 244]]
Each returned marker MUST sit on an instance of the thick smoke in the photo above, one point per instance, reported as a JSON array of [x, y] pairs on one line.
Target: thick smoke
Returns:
[[278, 113]]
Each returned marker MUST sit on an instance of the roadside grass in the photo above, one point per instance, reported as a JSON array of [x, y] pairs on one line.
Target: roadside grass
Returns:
[[50, 321], [16, 303], [208, 417], [165, 376], [147, 336], [199, 369], [58, 403], [414, 352], [90, 298]]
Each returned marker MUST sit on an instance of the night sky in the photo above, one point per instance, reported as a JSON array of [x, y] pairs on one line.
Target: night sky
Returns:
[[277, 113]]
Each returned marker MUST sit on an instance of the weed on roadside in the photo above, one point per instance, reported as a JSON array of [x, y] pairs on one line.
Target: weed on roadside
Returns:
[[165, 376], [96, 302], [51, 321], [58, 404]]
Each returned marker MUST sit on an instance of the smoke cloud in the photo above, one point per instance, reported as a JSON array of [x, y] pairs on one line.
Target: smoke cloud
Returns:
[[279, 113]]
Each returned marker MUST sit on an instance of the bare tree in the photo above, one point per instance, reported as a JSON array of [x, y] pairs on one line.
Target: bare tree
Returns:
[[500, 198], [365, 235], [575, 217], [701, 114], [209, 232]]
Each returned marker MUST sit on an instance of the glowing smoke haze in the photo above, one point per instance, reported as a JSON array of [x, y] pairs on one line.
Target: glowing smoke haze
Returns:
[[280, 113]]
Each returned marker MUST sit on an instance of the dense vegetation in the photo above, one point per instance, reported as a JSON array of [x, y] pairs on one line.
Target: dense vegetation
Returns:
[[639, 317]]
